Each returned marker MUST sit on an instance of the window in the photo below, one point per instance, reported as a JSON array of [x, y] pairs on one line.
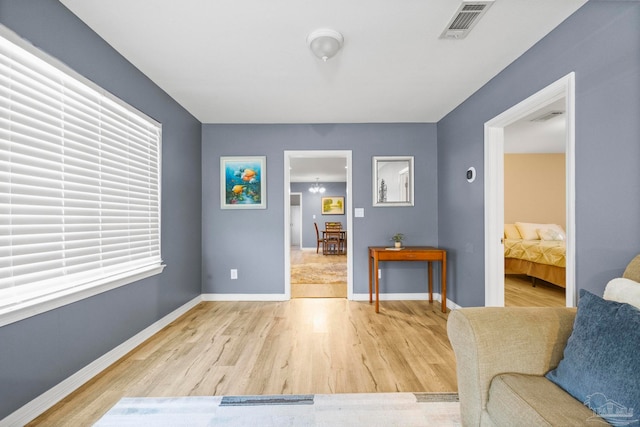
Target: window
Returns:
[[79, 185]]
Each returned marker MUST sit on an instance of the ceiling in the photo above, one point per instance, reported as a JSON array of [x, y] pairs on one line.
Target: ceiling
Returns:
[[308, 169], [247, 61], [530, 135]]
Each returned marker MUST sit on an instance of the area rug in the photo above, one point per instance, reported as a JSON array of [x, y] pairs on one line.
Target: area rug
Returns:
[[360, 409], [326, 273]]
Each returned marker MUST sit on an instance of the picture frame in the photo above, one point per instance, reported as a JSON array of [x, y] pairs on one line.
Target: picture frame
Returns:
[[332, 205], [393, 181], [243, 182]]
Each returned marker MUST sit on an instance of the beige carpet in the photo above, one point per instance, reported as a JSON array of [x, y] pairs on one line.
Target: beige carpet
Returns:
[[326, 273]]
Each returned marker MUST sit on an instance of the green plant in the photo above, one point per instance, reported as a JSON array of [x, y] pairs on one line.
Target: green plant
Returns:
[[398, 237]]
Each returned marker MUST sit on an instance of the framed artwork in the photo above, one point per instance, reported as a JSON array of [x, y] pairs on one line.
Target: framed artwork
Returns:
[[243, 182], [333, 205], [392, 181]]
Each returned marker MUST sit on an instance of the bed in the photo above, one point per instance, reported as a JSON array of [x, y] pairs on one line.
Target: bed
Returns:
[[536, 250]]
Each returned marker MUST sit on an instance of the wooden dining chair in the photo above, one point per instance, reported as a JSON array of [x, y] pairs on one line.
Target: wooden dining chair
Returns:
[[332, 242], [334, 238], [318, 239]]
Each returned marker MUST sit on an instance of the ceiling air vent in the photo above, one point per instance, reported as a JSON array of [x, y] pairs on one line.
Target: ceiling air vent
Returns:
[[547, 116], [467, 15]]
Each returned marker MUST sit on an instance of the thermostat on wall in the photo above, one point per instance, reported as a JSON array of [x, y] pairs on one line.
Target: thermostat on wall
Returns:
[[471, 174]]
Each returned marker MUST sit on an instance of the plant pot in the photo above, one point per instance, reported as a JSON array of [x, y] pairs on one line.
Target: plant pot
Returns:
[[398, 244]]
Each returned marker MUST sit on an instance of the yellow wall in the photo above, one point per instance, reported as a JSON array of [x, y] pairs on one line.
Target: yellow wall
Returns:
[[534, 188]]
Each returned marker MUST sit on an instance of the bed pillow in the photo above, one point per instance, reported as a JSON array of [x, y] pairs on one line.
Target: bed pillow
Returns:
[[623, 290], [529, 230], [550, 234], [511, 231], [600, 366]]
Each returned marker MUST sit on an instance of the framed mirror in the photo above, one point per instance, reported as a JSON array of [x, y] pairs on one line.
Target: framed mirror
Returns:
[[393, 181]]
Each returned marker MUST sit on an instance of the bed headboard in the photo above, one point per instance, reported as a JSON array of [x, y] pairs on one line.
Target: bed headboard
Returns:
[[632, 271]]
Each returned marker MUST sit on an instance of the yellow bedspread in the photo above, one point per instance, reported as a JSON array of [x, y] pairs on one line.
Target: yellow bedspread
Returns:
[[550, 252]]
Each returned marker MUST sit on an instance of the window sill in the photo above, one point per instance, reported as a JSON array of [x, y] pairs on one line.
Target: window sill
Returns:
[[24, 310]]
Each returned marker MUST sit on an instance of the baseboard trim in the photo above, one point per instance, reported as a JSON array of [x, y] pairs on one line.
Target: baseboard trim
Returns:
[[46, 400], [244, 297]]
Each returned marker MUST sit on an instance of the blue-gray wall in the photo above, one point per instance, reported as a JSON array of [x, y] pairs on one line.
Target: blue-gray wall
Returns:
[[39, 352], [601, 43], [253, 240], [311, 204]]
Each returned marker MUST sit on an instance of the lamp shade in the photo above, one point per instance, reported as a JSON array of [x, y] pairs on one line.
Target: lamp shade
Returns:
[[325, 43]]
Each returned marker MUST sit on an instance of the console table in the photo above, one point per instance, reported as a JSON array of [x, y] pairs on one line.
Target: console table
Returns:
[[408, 253]]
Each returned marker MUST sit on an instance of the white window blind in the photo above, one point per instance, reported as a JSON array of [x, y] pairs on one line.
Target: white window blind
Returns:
[[79, 181]]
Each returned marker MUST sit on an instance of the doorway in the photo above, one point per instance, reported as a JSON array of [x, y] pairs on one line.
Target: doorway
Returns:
[[344, 156], [494, 187], [296, 219]]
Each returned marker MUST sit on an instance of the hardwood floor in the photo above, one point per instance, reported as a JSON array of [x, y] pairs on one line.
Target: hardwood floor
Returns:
[[299, 346], [518, 292]]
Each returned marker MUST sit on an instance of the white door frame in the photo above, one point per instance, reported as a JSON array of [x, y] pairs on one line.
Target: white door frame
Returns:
[[494, 187], [346, 154]]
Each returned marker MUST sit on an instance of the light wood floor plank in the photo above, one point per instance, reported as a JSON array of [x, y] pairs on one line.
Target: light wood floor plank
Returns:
[[302, 346], [519, 292]]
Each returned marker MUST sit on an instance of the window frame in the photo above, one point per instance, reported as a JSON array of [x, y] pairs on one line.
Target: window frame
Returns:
[[14, 312]]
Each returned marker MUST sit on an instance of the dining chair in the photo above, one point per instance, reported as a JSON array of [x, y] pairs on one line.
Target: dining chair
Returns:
[[318, 239], [332, 242]]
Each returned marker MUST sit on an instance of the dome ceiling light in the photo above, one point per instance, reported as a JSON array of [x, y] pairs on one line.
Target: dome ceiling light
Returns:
[[324, 43]]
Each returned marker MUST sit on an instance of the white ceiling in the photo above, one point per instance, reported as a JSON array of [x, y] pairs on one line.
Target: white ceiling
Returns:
[[246, 61], [530, 136], [307, 169]]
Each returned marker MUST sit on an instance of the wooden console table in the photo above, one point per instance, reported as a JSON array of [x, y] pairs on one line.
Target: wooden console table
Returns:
[[408, 253]]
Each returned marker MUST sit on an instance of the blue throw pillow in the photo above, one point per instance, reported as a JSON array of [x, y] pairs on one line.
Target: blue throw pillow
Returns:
[[601, 363]]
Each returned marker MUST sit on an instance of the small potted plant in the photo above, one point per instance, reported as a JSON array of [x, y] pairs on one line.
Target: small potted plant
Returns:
[[398, 238]]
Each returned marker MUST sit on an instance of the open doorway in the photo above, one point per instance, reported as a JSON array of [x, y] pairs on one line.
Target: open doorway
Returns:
[[561, 91], [305, 170], [535, 208]]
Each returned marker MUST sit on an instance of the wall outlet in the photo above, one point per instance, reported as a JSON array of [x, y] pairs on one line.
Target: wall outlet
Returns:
[[234, 274], [379, 274]]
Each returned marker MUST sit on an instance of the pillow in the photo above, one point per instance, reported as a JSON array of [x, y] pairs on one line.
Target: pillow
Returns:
[[511, 231], [623, 290], [529, 230], [601, 366], [549, 234]]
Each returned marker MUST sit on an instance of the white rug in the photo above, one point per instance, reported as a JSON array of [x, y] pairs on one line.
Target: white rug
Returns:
[[370, 409]]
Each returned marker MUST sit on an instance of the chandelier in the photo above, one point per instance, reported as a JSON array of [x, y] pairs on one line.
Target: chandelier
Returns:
[[317, 188]]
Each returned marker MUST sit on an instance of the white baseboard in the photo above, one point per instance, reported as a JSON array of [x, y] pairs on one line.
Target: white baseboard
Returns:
[[52, 396], [244, 297]]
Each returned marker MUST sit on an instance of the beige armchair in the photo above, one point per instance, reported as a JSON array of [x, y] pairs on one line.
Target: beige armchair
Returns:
[[502, 355]]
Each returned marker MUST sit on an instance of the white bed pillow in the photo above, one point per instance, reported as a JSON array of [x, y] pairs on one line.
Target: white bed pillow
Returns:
[[623, 290], [529, 230], [550, 234]]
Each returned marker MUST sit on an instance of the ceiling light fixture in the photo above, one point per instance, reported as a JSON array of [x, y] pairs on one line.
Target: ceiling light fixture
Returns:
[[317, 188], [325, 43]]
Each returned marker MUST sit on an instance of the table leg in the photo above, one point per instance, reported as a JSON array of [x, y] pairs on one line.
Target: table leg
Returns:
[[370, 282], [430, 281], [377, 280], [443, 285]]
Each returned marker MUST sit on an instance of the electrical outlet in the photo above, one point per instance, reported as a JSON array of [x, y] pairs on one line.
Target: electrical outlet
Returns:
[[234, 274], [379, 274]]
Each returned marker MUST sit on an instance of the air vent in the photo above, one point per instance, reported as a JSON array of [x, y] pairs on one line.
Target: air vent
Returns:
[[547, 116], [465, 18]]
